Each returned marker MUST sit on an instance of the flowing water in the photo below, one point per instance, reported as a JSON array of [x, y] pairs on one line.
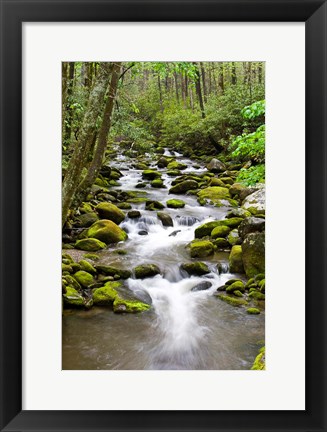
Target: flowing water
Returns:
[[186, 328]]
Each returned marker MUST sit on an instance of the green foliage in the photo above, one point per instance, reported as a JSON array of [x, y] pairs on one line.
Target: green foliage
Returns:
[[255, 110], [252, 175]]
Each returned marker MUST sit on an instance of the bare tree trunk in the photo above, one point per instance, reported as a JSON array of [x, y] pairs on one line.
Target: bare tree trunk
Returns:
[[198, 91], [69, 114], [82, 147], [160, 94], [101, 145], [221, 77], [234, 78], [64, 69], [203, 75], [176, 86], [260, 73]]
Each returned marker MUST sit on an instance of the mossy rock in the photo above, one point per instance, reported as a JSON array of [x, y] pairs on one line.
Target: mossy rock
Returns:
[[106, 295], [162, 162], [146, 271], [201, 248], [87, 219], [238, 293], [137, 200], [253, 311], [66, 268], [235, 260], [260, 360], [86, 266], [73, 298], [257, 295], [150, 174], [173, 173], [121, 305], [111, 212], [184, 186], [107, 231], [221, 243], [220, 232], [238, 212], [216, 182], [134, 214], [175, 203], [214, 194], [253, 248], [85, 207], [90, 244], [235, 286], [124, 206], [112, 271], [174, 165], [153, 205], [205, 229], [72, 282], [197, 268], [157, 183], [234, 301], [120, 252], [234, 238], [227, 180], [92, 257], [84, 278], [67, 257]]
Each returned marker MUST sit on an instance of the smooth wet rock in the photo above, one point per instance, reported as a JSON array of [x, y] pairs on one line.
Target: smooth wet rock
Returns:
[[90, 244], [216, 166], [165, 219], [256, 202], [201, 286], [221, 243], [142, 233], [140, 185], [134, 214], [153, 205], [112, 271], [111, 212], [235, 260], [174, 165], [250, 225], [253, 248], [197, 268], [162, 162], [87, 219], [146, 271], [150, 174], [174, 233], [107, 231]]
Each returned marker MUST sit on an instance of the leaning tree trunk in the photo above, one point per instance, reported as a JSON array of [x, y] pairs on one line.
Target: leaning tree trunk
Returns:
[[101, 145], [82, 147]]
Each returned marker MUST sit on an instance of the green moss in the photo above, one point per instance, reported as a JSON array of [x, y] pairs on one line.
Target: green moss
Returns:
[[146, 271], [234, 301], [66, 268], [111, 212], [107, 231], [235, 260], [138, 200], [174, 165], [73, 298], [173, 173], [76, 267], [260, 360], [153, 205], [106, 295], [112, 271], [238, 293], [184, 186], [219, 232], [72, 282], [67, 257], [86, 266], [121, 252], [235, 286], [129, 306], [257, 295], [92, 257], [201, 248], [253, 311], [234, 238], [84, 278], [175, 203], [90, 244], [124, 206], [85, 207], [216, 182], [196, 268], [221, 243], [150, 174], [157, 183], [214, 194]]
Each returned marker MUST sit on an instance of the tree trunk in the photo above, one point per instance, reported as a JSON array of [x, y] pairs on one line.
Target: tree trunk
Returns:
[[82, 147], [101, 145], [160, 94], [64, 69], [203, 75], [198, 91], [234, 79], [176, 87], [221, 77], [69, 113]]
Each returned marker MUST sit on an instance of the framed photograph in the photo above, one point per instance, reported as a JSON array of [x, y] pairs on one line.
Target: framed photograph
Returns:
[[162, 164]]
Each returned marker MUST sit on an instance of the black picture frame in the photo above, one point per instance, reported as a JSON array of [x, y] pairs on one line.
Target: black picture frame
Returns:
[[13, 14]]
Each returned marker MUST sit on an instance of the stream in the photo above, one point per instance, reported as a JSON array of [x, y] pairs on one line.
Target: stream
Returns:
[[185, 328]]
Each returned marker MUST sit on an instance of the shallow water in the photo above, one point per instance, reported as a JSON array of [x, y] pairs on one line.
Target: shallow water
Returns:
[[184, 329]]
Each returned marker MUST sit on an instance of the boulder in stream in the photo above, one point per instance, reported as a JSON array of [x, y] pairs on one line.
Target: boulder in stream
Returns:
[[253, 248], [90, 244], [250, 225], [197, 268], [235, 260], [216, 166], [201, 248], [165, 219], [201, 286], [184, 186], [146, 271], [175, 203], [106, 231], [111, 212]]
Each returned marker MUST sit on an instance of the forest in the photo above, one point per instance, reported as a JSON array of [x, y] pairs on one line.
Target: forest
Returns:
[[163, 215]]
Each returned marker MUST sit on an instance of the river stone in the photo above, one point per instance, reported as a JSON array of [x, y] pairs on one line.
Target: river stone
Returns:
[[175, 203], [174, 165], [220, 231], [235, 286], [201, 248], [134, 214], [111, 212], [112, 271], [250, 225], [124, 206], [162, 162], [221, 243], [87, 219], [73, 298], [234, 238], [157, 183], [216, 182], [140, 185], [86, 266], [107, 231], [165, 219], [197, 268], [153, 205], [143, 232], [216, 166], [174, 233], [183, 187], [129, 306], [150, 174], [253, 248], [84, 278], [234, 301], [105, 295], [146, 271], [201, 286], [90, 244], [105, 171], [238, 212], [253, 311], [235, 260], [256, 202], [214, 194]]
